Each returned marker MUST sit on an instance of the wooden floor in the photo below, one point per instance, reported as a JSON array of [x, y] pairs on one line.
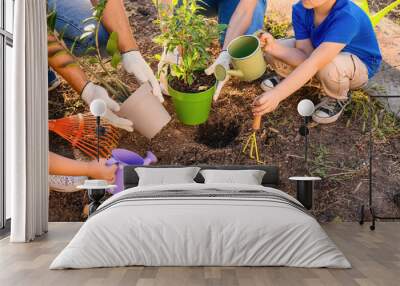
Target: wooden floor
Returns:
[[375, 257]]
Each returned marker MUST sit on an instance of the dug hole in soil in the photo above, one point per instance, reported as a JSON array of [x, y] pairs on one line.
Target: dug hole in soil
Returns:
[[218, 133], [220, 140]]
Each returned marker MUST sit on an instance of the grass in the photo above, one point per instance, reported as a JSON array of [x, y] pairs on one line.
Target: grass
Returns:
[[385, 124], [321, 166], [318, 166], [276, 26]]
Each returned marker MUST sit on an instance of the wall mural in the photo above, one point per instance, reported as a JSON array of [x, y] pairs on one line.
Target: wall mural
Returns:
[[208, 116]]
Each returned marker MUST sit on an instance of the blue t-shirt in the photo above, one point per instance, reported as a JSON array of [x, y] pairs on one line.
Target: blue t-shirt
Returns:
[[346, 24]]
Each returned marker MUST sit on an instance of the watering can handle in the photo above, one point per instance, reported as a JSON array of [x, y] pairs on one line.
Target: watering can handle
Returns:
[[257, 122]]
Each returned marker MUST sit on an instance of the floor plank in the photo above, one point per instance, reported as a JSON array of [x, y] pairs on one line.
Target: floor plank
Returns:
[[375, 257]]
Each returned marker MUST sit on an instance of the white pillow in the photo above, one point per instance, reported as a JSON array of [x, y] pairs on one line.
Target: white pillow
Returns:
[[166, 176], [248, 177]]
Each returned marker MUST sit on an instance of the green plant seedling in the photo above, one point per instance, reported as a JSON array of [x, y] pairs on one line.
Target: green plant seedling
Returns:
[[186, 29]]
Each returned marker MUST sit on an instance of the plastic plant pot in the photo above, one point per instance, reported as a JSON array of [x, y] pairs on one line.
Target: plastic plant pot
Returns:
[[146, 112], [192, 108]]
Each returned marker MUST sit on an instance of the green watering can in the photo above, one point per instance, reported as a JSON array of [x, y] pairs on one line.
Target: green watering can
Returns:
[[377, 17], [247, 59]]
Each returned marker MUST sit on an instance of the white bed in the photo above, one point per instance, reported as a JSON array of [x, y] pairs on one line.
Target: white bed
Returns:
[[224, 225]]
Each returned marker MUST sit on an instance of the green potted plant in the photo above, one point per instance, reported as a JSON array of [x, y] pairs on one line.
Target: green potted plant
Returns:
[[186, 30]]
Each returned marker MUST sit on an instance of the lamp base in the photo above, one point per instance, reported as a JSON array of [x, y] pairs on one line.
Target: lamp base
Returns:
[[305, 189], [95, 197]]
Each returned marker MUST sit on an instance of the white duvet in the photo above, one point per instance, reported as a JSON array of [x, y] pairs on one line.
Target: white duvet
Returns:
[[204, 231]]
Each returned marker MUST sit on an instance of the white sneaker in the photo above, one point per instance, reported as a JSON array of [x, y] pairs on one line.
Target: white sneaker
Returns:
[[329, 110], [269, 83]]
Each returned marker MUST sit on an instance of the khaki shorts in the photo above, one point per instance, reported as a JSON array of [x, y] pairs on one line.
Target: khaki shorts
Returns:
[[346, 72]]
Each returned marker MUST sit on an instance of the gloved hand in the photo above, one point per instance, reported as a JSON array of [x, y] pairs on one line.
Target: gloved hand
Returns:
[[92, 92], [167, 58], [134, 63], [223, 59]]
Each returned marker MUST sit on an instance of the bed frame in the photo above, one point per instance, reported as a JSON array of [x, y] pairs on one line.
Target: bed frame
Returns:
[[270, 179], [131, 179]]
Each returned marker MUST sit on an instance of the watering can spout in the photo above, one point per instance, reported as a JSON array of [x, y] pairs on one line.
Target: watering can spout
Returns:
[[235, 73], [221, 73], [150, 158]]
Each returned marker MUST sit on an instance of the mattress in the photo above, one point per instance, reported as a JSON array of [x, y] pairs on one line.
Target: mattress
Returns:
[[201, 225]]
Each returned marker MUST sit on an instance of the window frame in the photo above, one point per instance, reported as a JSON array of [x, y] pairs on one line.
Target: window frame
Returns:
[[6, 39]]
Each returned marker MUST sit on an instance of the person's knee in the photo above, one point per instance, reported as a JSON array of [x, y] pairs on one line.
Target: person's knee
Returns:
[[334, 80], [326, 72]]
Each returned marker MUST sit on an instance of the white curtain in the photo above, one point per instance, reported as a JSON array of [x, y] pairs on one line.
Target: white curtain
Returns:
[[26, 124]]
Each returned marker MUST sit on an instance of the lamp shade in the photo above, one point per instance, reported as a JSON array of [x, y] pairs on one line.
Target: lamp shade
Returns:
[[98, 107], [305, 107]]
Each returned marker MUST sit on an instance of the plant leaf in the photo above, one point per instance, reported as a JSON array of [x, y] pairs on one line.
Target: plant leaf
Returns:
[[157, 57], [90, 50], [93, 60], [57, 52], [88, 19], [112, 44], [89, 28], [51, 20], [116, 59], [72, 65], [85, 35]]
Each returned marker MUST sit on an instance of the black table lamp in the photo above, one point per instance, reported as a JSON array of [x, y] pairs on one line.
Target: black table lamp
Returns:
[[96, 191], [305, 184], [98, 108], [305, 108]]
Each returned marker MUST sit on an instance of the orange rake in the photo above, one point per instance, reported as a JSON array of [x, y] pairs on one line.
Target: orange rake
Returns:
[[80, 131]]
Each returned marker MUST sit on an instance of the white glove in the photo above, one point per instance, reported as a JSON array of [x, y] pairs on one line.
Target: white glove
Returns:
[[223, 59], [167, 58], [134, 63], [92, 92]]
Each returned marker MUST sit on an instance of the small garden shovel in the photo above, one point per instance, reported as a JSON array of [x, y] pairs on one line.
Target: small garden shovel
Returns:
[[251, 142]]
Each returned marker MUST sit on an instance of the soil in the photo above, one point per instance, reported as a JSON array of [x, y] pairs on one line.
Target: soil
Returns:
[[201, 83], [218, 133], [340, 149]]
